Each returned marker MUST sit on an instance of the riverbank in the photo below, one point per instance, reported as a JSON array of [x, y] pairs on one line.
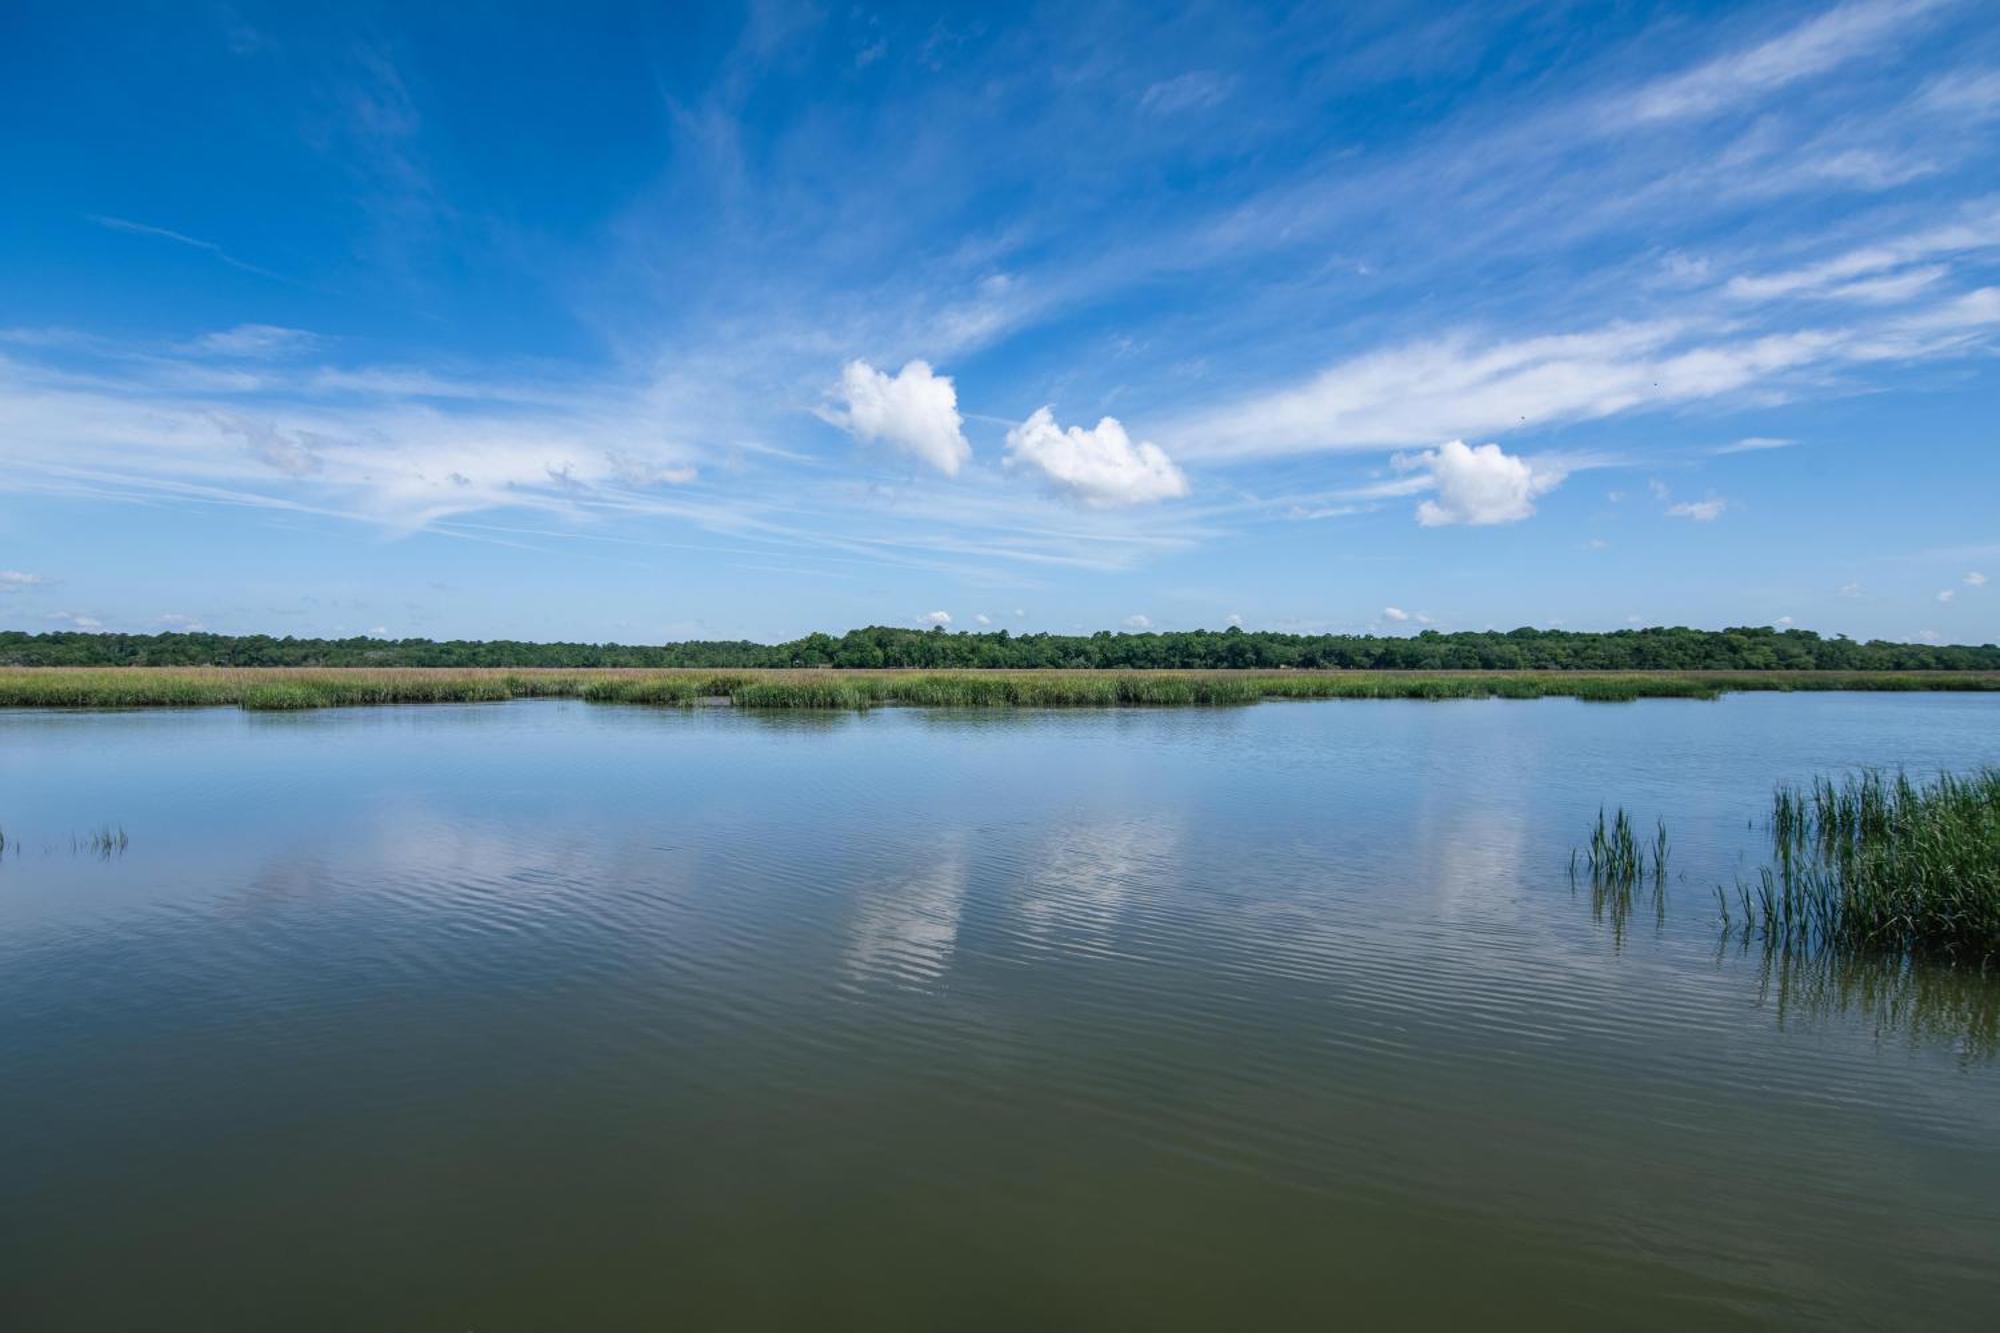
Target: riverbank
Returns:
[[281, 688]]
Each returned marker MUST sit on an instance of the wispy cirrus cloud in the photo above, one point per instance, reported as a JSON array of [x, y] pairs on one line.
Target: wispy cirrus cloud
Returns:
[[1816, 47], [209, 248], [1463, 385]]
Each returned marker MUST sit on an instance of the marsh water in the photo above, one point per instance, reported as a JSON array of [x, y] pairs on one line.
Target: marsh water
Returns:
[[553, 1015]]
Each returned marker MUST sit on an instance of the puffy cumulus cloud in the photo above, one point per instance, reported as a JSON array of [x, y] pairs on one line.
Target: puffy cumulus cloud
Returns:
[[1975, 580], [1395, 613], [79, 620], [938, 618], [1480, 486], [1101, 468], [1138, 622], [913, 411], [1946, 594]]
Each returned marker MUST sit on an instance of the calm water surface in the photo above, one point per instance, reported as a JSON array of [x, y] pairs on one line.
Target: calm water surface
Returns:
[[547, 1015]]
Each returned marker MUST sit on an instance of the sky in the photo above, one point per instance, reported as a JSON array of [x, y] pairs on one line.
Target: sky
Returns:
[[651, 322]]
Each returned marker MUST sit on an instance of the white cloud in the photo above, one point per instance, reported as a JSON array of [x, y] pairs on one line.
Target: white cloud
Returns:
[[1234, 621], [255, 341], [1459, 386], [1598, 544], [1945, 595], [934, 618], [983, 618], [1816, 47], [13, 580], [1138, 622], [1454, 387], [914, 411], [1100, 468], [180, 238], [179, 624], [1881, 272], [1850, 590], [1784, 622], [1968, 92], [1482, 485], [1975, 580], [1395, 613], [401, 455], [1701, 511], [1751, 444], [293, 453], [77, 620]]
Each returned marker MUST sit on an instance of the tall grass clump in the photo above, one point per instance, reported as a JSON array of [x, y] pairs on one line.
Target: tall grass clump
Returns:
[[1882, 864], [1619, 864], [802, 694], [1616, 856], [643, 690]]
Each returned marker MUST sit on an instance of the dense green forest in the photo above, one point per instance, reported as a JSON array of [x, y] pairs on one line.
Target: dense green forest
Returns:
[[1742, 649]]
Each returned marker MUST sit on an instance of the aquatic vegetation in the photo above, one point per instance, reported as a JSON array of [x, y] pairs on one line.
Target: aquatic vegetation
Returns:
[[1618, 865], [1882, 865], [640, 690], [1615, 855], [287, 688]]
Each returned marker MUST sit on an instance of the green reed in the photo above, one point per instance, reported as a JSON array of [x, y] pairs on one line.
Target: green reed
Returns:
[[1618, 865], [1882, 864]]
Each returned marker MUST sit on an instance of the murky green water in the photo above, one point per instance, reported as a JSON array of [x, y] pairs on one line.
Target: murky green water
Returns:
[[546, 1015]]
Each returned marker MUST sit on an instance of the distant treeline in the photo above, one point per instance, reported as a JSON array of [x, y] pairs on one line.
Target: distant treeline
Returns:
[[1742, 649]]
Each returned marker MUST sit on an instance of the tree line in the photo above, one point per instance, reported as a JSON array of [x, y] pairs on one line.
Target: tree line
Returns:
[[1747, 648]]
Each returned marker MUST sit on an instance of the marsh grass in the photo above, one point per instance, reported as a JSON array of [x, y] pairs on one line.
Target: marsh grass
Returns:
[[289, 689], [1881, 865], [1618, 866]]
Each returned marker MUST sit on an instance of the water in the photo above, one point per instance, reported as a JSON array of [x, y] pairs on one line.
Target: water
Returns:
[[550, 1015]]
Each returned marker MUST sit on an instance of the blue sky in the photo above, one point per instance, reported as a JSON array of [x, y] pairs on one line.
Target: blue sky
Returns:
[[605, 322]]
